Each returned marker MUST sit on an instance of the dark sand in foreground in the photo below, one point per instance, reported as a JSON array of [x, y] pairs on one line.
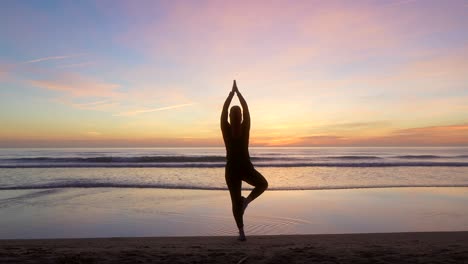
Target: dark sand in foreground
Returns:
[[430, 247]]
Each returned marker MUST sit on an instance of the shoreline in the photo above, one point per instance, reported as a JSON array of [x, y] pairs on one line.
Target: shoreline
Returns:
[[248, 188], [407, 247]]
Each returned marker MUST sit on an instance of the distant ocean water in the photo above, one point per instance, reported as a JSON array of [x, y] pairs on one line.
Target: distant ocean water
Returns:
[[202, 168]]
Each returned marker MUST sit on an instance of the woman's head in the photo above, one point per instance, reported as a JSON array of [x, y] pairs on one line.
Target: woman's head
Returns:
[[235, 115]]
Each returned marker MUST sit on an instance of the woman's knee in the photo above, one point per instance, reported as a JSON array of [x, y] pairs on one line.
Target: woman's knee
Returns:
[[264, 184]]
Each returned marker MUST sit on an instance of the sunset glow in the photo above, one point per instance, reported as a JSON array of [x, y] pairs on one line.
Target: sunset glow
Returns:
[[156, 73]]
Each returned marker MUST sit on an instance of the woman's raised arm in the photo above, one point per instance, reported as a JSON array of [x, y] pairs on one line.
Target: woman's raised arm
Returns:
[[245, 108], [224, 113]]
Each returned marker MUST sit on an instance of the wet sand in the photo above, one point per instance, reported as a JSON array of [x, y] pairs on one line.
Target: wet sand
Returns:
[[108, 212], [425, 247]]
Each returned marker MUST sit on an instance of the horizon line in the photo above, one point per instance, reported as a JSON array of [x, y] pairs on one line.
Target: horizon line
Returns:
[[220, 146]]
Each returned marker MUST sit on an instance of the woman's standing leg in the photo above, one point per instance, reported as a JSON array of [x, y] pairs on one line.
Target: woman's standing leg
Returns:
[[235, 184]]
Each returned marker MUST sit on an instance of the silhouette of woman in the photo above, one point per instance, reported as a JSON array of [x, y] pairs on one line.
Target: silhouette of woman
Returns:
[[238, 166]]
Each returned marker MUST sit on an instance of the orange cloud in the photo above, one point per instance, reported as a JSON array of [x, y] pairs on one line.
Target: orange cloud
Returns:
[[79, 86], [433, 135], [298, 141], [452, 135]]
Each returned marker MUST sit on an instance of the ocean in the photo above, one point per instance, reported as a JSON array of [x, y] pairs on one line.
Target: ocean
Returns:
[[135, 192], [203, 168]]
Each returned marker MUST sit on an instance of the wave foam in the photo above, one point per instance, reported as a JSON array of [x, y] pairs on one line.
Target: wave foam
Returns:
[[220, 165]]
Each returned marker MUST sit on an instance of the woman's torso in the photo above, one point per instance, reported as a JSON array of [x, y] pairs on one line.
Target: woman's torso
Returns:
[[237, 147]]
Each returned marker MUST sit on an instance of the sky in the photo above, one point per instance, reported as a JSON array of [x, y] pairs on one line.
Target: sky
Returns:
[[156, 73]]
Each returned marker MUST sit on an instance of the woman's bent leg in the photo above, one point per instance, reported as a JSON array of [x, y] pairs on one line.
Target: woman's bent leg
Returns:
[[257, 180]]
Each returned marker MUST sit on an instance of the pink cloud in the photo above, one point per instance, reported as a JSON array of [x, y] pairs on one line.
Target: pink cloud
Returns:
[[261, 40], [241, 28]]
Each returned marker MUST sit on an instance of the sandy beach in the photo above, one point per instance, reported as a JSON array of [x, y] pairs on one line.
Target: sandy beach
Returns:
[[426, 247]]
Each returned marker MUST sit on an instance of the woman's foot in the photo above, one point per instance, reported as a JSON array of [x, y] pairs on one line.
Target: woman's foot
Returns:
[[241, 235]]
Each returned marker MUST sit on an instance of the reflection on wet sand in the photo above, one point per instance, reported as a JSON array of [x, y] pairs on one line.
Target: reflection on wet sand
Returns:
[[109, 212]]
